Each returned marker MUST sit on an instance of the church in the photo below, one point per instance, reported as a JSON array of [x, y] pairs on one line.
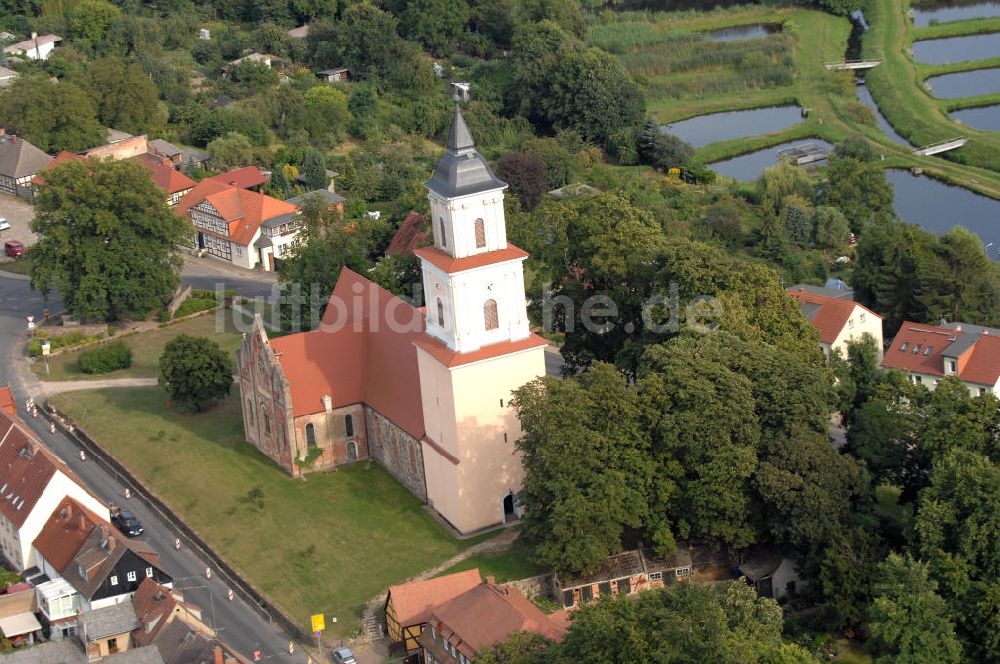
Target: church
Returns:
[[424, 392]]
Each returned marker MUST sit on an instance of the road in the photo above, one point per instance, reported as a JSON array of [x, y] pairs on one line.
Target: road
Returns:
[[239, 624]]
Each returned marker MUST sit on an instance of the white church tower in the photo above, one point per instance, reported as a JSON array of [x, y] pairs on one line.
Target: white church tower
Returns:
[[478, 347]]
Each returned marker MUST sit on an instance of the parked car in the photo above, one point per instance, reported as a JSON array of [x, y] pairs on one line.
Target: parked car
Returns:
[[126, 522], [343, 656], [13, 248], [4, 224]]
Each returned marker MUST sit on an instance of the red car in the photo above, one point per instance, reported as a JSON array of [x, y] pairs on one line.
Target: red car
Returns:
[[13, 248]]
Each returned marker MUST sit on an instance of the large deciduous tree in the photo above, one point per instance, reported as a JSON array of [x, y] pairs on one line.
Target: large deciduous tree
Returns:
[[195, 371], [124, 95], [53, 116], [367, 38], [436, 24], [106, 240]]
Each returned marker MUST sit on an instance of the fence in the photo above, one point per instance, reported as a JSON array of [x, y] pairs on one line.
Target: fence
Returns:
[[240, 585]]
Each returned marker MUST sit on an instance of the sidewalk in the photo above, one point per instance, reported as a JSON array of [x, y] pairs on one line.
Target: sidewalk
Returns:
[[59, 386]]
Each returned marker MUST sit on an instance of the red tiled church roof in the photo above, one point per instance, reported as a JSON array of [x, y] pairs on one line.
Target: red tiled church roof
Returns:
[[412, 234], [832, 313], [448, 264], [362, 352]]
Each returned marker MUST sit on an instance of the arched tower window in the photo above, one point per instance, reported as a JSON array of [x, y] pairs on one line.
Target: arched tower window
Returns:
[[349, 425], [490, 315], [480, 234], [310, 435], [444, 236], [440, 308]]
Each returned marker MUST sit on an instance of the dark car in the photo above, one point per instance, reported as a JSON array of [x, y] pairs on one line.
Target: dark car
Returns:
[[127, 523], [13, 248]]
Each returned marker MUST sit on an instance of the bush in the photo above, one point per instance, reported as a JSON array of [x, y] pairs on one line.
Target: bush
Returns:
[[109, 357], [76, 338]]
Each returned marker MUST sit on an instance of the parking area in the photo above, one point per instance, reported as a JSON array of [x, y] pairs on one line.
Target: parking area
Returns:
[[19, 213]]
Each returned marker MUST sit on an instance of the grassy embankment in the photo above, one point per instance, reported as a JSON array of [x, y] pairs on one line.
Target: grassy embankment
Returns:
[[817, 39], [324, 545], [147, 346], [897, 86]]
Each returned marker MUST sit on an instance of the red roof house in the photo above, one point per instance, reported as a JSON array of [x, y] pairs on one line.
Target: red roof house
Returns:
[[247, 177], [838, 321], [412, 233], [408, 606], [928, 353]]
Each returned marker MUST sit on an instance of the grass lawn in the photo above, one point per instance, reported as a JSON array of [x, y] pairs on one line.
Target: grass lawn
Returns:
[[19, 266], [509, 565], [324, 545], [146, 349]]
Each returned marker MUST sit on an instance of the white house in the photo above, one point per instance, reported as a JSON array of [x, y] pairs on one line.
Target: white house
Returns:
[[33, 481], [839, 320], [927, 353], [37, 47]]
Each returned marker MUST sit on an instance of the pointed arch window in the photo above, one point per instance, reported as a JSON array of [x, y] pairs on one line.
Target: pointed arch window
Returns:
[[480, 233], [444, 236], [490, 315], [349, 425], [440, 310], [310, 436]]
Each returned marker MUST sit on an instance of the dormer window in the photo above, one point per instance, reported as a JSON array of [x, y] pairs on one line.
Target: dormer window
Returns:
[[82, 571], [916, 349], [928, 350], [906, 344]]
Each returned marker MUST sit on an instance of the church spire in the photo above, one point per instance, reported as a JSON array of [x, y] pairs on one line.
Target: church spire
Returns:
[[459, 138]]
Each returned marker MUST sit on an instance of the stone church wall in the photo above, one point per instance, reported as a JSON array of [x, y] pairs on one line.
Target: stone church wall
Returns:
[[398, 452]]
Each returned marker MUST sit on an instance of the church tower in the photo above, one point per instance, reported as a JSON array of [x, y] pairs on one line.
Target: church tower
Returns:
[[478, 347]]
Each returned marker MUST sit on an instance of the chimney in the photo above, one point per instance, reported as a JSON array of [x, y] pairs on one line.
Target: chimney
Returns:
[[327, 403], [34, 35], [217, 653]]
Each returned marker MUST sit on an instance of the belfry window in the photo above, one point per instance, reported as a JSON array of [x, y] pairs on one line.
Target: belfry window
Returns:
[[490, 315], [440, 308], [480, 234], [444, 236]]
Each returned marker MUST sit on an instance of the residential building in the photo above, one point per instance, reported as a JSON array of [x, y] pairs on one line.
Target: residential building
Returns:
[[839, 321], [771, 574], [174, 184], [108, 630], [37, 47], [461, 628], [408, 606], [262, 58], [928, 353], [229, 221], [33, 482], [7, 77], [412, 233], [247, 177], [102, 565], [426, 392], [19, 162], [176, 628], [166, 151], [18, 623]]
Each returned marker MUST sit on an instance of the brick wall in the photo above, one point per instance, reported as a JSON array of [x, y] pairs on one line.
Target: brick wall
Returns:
[[398, 452]]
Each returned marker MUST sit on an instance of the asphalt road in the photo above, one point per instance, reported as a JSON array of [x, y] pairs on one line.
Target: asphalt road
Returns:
[[239, 624]]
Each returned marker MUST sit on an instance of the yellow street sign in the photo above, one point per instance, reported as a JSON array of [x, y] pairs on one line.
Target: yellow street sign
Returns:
[[318, 623]]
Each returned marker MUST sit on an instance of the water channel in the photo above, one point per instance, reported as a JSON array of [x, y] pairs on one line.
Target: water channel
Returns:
[[739, 32], [706, 129], [965, 83], [957, 49], [945, 12], [935, 206], [982, 117]]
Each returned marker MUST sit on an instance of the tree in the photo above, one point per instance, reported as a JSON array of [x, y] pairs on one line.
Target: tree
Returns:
[[106, 241], [367, 37], [565, 13], [857, 147], [195, 371], [723, 220], [830, 228], [660, 149], [124, 96], [796, 217], [437, 24], [90, 20], [253, 77], [54, 117], [525, 173], [314, 170], [859, 190], [574, 516], [908, 620], [591, 91], [326, 113], [775, 184], [230, 151]]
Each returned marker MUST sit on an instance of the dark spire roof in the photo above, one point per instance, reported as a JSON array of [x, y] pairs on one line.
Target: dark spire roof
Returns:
[[462, 171], [459, 137]]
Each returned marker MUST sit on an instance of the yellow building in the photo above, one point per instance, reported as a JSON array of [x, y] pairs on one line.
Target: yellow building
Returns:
[[426, 392]]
